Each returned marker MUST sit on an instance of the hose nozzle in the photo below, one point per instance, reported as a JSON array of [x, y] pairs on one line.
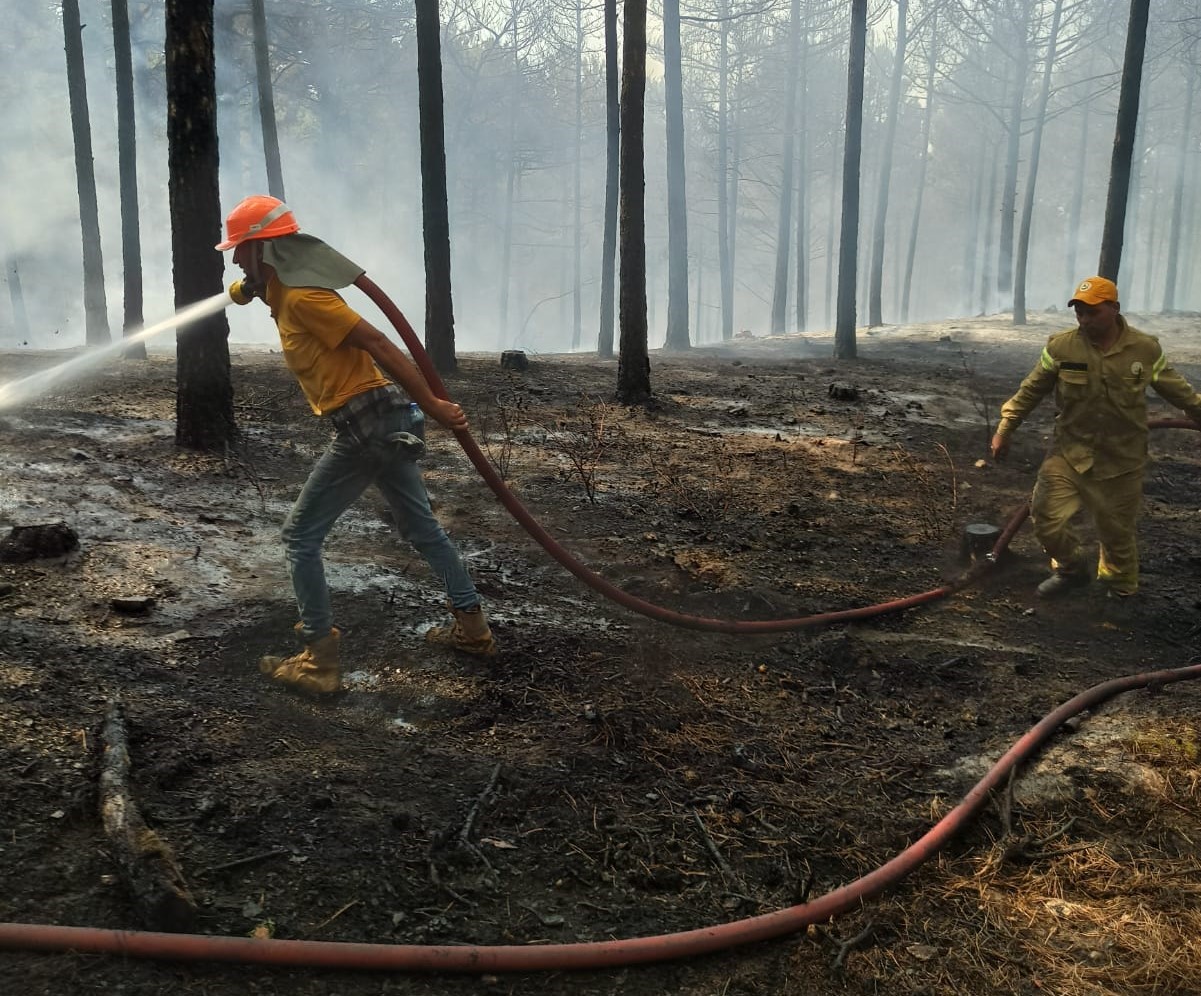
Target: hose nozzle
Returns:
[[243, 292]]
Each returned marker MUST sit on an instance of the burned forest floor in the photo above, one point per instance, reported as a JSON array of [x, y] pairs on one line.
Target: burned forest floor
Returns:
[[608, 776]]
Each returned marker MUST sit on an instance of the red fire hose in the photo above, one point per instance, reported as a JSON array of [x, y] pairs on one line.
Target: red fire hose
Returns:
[[603, 954], [597, 954], [601, 585]]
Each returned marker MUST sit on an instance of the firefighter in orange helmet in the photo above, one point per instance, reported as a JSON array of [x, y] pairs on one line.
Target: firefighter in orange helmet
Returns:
[[1100, 372], [373, 396]]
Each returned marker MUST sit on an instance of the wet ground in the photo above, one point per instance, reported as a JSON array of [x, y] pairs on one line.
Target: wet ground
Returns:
[[608, 776]]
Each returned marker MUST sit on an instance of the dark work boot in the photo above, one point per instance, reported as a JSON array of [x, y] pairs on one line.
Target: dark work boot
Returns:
[[1061, 582]]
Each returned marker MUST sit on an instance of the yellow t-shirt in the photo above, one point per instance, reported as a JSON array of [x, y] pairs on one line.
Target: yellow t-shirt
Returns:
[[313, 323]]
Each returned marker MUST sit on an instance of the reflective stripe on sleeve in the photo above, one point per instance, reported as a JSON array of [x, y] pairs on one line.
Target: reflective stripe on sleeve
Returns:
[[1158, 366], [1046, 360]]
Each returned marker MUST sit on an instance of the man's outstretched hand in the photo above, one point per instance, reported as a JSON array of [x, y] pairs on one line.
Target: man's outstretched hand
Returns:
[[999, 446]]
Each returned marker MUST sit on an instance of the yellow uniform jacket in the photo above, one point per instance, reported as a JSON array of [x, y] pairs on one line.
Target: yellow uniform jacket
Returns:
[[1101, 398]]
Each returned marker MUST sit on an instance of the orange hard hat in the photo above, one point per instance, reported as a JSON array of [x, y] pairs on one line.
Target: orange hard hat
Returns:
[[258, 217]]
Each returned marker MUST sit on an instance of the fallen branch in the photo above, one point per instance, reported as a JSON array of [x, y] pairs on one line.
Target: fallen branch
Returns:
[[465, 832], [249, 860], [144, 862], [845, 947]]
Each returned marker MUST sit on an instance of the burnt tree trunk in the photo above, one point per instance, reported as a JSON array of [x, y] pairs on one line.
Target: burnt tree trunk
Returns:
[[845, 346], [633, 365], [875, 305], [262, 65], [612, 155], [127, 167], [1036, 144], [779, 299], [204, 412], [677, 199], [439, 307], [1123, 142], [95, 305]]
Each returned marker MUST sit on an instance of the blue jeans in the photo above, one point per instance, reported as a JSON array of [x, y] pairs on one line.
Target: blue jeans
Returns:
[[343, 473]]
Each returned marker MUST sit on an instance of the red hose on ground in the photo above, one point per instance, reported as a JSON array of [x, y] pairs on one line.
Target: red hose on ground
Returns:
[[597, 954], [602, 954]]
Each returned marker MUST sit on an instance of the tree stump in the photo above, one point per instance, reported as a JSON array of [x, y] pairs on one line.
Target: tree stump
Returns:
[[514, 359], [840, 390]]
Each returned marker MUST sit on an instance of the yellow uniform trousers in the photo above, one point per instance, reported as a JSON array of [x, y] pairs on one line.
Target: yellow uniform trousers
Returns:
[[1114, 504]]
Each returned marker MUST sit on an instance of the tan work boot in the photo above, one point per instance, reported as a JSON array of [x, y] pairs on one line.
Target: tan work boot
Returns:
[[314, 671], [468, 632]]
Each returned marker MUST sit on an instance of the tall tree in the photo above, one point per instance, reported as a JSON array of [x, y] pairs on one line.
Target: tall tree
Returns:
[[1188, 138], [779, 301], [95, 305], [204, 414], [577, 277], [612, 153], [127, 167], [1036, 144], [17, 297], [924, 163], [876, 279], [726, 220], [784, 213], [511, 174], [262, 65], [1076, 210], [802, 212], [633, 365], [1019, 48], [677, 200], [845, 346], [439, 307], [1123, 141]]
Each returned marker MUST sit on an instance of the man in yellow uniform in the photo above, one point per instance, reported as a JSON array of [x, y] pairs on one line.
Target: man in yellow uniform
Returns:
[[357, 379], [1100, 372]]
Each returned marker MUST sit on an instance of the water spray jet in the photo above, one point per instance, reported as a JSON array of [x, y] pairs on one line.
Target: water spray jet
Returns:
[[17, 392]]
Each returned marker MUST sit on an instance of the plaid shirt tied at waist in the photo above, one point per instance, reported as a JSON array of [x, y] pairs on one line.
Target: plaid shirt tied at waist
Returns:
[[359, 415]]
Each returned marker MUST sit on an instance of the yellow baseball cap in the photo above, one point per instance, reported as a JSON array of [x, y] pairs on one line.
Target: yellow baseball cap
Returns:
[[1094, 290]]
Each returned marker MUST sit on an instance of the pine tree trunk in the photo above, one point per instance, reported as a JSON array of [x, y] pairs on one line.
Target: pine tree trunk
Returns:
[[612, 154], [677, 201], [95, 305], [724, 253], [874, 306], [845, 346], [987, 277], [802, 165], [732, 169], [1036, 144], [1123, 141], [779, 298], [1171, 264], [1009, 186], [927, 120], [262, 64], [633, 366], [1076, 210], [577, 272], [204, 415], [127, 167], [439, 307], [17, 297]]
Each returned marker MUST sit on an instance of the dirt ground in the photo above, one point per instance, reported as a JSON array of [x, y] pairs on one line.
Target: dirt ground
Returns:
[[609, 776]]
